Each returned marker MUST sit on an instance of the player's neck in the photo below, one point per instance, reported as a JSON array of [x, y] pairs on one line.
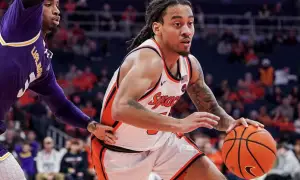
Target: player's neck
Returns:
[[44, 34], [170, 57]]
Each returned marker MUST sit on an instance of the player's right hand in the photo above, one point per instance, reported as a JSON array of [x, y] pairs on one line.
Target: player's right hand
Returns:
[[198, 119]]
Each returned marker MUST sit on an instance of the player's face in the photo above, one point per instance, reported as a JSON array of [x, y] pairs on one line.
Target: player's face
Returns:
[[178, 30], [51, 16]]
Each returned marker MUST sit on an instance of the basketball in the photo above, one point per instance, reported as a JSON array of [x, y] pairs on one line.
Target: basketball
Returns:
[[249, 152]]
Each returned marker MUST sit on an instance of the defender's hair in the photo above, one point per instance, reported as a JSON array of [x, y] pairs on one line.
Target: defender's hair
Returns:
[[154, 13]]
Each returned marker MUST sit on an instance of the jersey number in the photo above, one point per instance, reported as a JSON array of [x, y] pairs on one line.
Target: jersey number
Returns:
[[153, 132], [32, 77]]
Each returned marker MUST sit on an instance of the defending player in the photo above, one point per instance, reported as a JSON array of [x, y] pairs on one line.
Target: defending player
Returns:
[[25, 63], [153, 76]]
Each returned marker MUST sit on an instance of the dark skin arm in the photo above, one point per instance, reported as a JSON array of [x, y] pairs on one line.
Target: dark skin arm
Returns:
[[204, 100]]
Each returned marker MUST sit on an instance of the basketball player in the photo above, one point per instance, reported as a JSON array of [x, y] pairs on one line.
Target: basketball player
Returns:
[[152, 78], [25, 63]]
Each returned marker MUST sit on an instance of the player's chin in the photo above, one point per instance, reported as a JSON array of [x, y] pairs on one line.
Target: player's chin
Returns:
[[53, 28], [184, 52]]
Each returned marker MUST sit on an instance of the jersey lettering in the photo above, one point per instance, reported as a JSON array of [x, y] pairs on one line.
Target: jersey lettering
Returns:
[[32, 77], [166, 101]]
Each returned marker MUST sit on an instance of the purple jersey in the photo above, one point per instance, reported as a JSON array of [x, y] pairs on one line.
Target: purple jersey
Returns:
[[25, 63]]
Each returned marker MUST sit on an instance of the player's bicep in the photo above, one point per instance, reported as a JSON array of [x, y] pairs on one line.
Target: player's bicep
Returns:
[[134, 85], [21, 23], [143, 74]]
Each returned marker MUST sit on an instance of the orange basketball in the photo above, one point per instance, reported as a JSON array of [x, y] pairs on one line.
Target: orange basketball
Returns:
[[249, 152]]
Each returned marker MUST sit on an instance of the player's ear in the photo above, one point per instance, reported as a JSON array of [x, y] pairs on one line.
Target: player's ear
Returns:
[[156, 28]]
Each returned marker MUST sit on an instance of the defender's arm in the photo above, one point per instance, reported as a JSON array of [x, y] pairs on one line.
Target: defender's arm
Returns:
[[61, 107]]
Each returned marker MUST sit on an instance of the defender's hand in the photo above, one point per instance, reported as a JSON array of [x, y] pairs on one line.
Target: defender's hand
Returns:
[[102, 132], [244, 122], [196, 120]]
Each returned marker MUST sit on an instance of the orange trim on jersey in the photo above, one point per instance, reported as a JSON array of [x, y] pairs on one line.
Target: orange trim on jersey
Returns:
[[98, 153], [106, 117], [189, 67], [192, 144], [182, 170], [117, 126], [165, 65], [151, 91]]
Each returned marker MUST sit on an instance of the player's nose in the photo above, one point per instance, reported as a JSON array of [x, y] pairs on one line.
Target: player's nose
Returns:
[[186, 31], [56, 11]]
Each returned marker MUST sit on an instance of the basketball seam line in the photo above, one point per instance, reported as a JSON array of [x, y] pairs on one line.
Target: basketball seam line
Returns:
[[253, 156], [239, 156], [253, 142], [231, 145]]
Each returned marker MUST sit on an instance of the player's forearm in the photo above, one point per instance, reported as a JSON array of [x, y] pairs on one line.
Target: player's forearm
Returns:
[[67, 112], [133, 113], [204, 100], [31, 3]]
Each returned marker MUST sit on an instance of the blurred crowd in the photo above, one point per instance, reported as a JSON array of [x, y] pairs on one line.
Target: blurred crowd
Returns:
[[44, 162]]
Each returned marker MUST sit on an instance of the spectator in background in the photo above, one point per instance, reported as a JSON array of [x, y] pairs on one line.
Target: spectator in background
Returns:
[[251, 58], [128, 19], [253, 115], [209, 81], [295, 95], [78, 32], [245, 93], [48, 162], [61, 38], [90, 171], [70, 7], [200, 139], [283, 76], [237, 52], [107, 21], [266, 73], [277, 9], [285, 108], [297, 122], [297, 149], [291, 39], [200, 16], [287, 164], [263, 116], [26, 159], [89, 109], [34, 145], [3, 4], [214, 155], [71, 74], [74, 164], [264, 12], [89, 47], [89, 75], [275, 96], [65, 84], [11, 138]]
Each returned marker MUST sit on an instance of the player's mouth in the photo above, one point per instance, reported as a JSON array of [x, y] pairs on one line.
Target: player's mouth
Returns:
[[56, 20], [186, 43]]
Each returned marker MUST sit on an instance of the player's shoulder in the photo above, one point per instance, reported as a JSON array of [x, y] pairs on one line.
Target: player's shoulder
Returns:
[[194, 61], [146, 57]]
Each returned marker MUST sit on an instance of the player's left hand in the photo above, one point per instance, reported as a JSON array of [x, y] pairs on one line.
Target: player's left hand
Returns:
[[102, 132], [244, 122]]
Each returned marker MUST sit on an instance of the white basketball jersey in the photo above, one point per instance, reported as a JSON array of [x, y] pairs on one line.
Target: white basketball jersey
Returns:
[[159, 99]]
